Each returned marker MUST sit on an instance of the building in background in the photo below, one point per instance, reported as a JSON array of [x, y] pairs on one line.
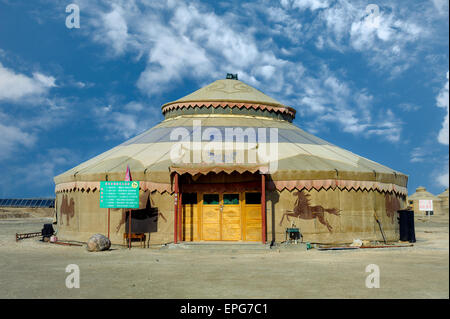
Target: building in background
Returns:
[[444, 201], [422, 194]]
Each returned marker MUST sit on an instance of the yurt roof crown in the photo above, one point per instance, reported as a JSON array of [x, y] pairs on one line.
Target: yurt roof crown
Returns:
[[231, 97]]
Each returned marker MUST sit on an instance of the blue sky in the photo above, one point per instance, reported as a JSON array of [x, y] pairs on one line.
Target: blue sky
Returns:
[[373, 83]]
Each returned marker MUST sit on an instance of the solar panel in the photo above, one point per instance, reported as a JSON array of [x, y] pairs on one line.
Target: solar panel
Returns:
[[22, 202]]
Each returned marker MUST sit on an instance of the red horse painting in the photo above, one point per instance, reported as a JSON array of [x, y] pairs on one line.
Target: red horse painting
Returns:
[[304, 210], [67, 209]]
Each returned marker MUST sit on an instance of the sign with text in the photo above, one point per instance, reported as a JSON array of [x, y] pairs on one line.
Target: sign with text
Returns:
[[425, 205], [119, 194]]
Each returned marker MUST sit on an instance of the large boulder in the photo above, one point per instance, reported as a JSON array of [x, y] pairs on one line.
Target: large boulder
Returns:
[[98, 242]]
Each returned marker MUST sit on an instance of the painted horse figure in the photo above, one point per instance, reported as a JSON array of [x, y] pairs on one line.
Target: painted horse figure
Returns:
[[67, 209], [392, 206], [304, 210]]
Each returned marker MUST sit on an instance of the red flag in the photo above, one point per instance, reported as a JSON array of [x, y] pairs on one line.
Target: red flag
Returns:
[[128, 175]]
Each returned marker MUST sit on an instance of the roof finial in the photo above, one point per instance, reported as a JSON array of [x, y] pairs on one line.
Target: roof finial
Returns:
[[231, 76]]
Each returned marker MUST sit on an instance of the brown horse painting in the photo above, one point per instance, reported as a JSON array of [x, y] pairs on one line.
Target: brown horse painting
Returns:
[[67, 209], [392, 206], [304, 210]]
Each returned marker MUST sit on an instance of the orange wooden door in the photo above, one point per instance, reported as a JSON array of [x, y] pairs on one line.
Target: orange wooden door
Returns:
[[231, 217], [211, 221], [252, 217]]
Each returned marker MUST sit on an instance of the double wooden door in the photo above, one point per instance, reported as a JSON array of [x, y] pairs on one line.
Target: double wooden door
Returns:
[[221, 218]]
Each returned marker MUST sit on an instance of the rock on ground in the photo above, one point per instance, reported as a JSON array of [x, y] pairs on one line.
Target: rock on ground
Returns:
[[98, 242]]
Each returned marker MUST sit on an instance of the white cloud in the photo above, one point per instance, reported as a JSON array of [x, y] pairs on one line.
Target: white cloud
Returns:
[[13, 137], [390, 40], [19, 130], [442, 101], [442, 179], [114, 30], [305, 4], [418, 155], [46, 81], [330, 99], [45, 165], [134, 106], [441, 175], [409, 107], [441, 6], [135, 119], [180, 41], [15, 86]]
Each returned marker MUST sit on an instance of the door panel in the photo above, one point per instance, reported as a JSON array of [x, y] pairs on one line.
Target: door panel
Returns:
[[231, 222], [210, 218], [252, 215], [252, 222]]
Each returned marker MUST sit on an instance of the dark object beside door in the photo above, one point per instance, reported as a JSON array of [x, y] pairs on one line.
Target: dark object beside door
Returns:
[[406, 221], [47, 231]]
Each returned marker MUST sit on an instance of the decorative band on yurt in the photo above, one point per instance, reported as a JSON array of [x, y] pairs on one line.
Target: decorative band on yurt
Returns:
[[271, 185], [277, 109]]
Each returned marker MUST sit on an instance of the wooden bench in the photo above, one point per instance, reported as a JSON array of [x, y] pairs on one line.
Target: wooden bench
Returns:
[[140, 236]]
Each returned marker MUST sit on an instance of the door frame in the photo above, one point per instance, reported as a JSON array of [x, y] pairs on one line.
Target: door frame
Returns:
[[242, 208], [221, 207]]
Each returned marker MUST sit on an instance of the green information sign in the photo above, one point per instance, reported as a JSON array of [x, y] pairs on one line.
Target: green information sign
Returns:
[[119, 194]]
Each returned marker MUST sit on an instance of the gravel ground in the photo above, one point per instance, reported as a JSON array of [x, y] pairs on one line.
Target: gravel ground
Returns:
[[34, 269]]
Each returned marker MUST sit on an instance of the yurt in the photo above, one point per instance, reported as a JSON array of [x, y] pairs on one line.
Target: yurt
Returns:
[[422, 194], [228, 165], [444, 201]]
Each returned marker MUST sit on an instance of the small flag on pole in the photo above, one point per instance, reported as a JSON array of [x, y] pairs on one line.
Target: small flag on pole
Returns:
[[127, 179], [128, 175]]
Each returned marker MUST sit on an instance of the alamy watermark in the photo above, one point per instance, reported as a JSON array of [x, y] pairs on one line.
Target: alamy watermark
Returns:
[[73, 19], [73, 279], [373, 15], [373, 279], [229, 145]]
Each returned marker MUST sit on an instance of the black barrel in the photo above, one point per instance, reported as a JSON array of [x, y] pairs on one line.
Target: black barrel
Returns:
[[406, 221], [412, 231]]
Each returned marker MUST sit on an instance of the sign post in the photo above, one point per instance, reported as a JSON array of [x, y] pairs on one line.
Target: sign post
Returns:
[[120, 194], [426, 205]]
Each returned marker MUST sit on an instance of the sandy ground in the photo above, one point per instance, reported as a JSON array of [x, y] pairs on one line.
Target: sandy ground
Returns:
[[33, 269]]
